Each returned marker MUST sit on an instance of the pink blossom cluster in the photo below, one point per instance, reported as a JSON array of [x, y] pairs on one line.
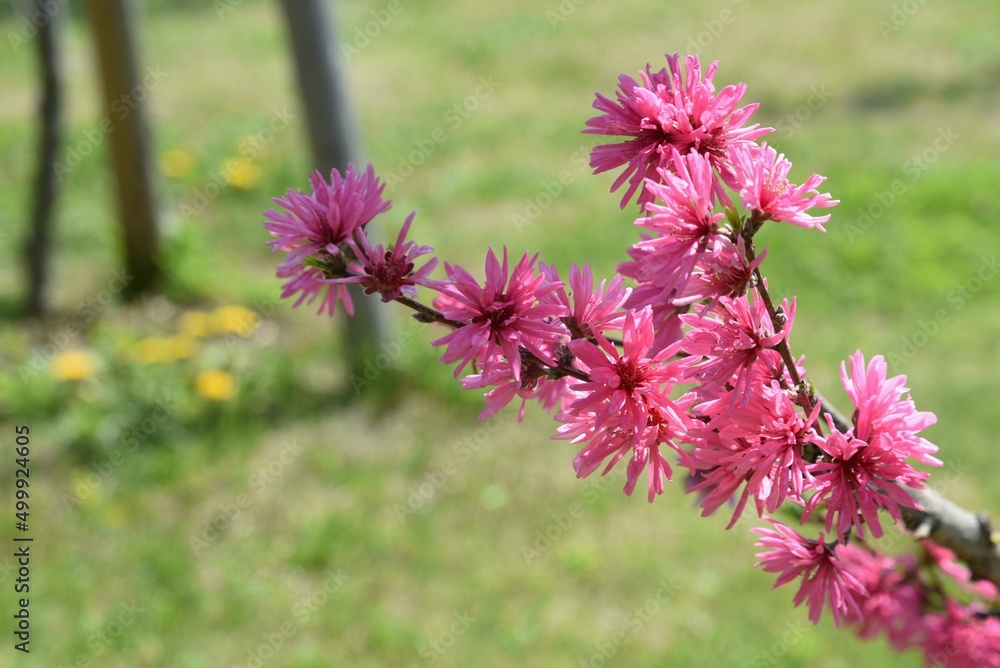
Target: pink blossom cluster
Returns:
[[914, 603], [323, 233], [690, 367]]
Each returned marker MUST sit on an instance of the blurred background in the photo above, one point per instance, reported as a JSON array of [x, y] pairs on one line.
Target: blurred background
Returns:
[[210, 488]]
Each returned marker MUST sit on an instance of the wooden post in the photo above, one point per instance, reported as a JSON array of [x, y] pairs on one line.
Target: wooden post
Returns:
[[334, 140], [38, 245], [124, 124]]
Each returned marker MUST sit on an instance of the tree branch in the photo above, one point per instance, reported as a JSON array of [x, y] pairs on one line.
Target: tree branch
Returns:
[[971, 536]]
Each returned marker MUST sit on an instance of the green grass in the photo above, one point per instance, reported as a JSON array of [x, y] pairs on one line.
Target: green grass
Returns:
[[314, 538]]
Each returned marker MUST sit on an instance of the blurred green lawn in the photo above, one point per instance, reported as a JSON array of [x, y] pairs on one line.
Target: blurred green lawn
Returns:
[[275, 528]]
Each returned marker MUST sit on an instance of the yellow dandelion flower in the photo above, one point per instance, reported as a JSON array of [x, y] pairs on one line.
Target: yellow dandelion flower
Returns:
[[242, 173], [196, 324], [73, 365], [176, 164], [182, 347], [153, 350], [234, 319], [215, 385]]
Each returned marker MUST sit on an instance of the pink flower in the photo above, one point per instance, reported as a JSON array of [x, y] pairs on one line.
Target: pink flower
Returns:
[[592, 311], [316, 225], [501, 317], [327, 217], [625, 405], [684, 222], [626, 385], [500, 376], [759, 445], [610, 440], [762, 181], [880, 413], [962, 637], [311, 283], [391, 272], [895, 602], [731, 340], [723, 271], [816, 562], [668, 110], [444, 302], [666, 324], [946, 560], [854, 479], [554, 394], [862, 470]]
